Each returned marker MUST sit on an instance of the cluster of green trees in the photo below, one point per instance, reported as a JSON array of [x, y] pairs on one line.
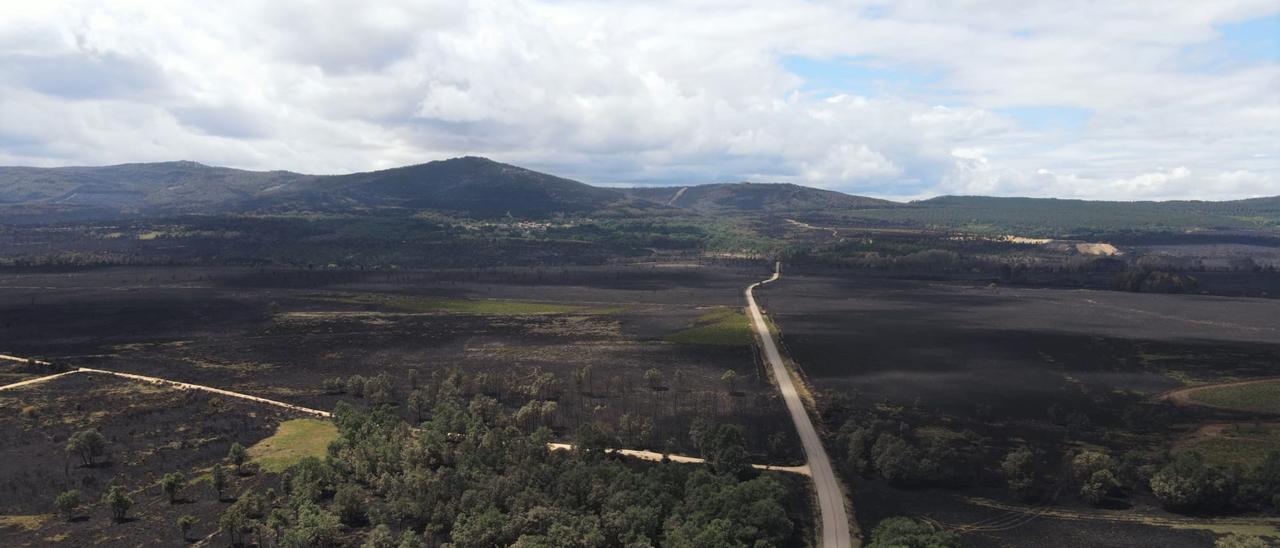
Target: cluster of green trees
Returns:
[[889, 448], [472, 475], [1185, 483], [1189, 483]]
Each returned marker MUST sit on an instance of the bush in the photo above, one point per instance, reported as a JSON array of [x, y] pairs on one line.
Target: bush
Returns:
[[1019, 468], [355, 386], [1099, 486], [334, 385], [172, 483], [67, 503], [118, 501], [903, 532]]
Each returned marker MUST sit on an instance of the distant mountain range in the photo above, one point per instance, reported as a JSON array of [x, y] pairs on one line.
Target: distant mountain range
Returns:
[[483, 188], [469, 185]]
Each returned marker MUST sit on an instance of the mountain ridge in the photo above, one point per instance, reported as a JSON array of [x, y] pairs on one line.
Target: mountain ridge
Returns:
[[474, 186]]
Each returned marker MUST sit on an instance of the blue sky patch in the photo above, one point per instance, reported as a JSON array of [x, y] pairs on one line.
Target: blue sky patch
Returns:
[[1049, 117], [1252, 40], [859, 76]]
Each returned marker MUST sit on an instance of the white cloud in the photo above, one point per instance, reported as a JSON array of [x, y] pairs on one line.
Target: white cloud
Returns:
[[672, 92]]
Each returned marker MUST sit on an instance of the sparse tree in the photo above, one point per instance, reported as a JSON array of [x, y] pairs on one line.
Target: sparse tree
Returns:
[[118, 501], [172, 483], [730, 380], [581, 378], [418, 404], [67, 503], [236, 454], [88, 444], [218, 477]]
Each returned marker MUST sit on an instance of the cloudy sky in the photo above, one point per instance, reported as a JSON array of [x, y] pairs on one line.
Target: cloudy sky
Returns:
[[1103, 100]]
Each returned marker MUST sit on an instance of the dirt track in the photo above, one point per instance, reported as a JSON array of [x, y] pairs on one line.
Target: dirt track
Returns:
[[835, 517], [631, 453]]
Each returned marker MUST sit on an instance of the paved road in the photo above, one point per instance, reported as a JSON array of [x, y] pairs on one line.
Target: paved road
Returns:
[[835, 518]]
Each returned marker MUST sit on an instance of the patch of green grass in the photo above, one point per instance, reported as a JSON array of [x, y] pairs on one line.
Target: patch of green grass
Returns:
[[479, 307], [1263, 397], [293, 441], [721, 327], [1246, 446]]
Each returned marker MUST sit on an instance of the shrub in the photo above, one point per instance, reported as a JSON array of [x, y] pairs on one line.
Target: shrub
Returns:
[[1099, 486], [118, 501], [355, 386], [67, 503], [1019, 468], [903, 532], [334, 385], [172, 483]]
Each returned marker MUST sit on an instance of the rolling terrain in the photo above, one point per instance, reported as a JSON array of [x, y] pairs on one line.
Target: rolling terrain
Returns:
[[951, 364]]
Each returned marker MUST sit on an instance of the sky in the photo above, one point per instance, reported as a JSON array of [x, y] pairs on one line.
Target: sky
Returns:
[[1137, 100]]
